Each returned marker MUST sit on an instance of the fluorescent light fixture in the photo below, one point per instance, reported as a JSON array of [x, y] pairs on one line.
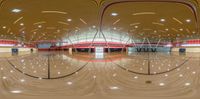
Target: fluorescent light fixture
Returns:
[[177, 20], [16, 10], [64, 23], [116, 21], [155, 23], [83, 21], [114, 14], [58, 12], [144, 13]]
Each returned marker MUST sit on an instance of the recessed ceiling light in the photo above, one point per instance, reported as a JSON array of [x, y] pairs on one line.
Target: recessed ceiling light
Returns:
[[114, 88], [22, 24], [162, 84], [181, 75], [4, 27], [188, 20], [69, 83], [187, 84], [39, 26], [114, 14], [162, 20], [22, 80], [4, 77], [181, 29], [136, 77], [69, 20], [16, 91], [166, 29], [16, 10], [93, 26], [136, 27]]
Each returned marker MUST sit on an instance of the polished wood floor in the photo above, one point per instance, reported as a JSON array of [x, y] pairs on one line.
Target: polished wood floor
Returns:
[[50, 75]]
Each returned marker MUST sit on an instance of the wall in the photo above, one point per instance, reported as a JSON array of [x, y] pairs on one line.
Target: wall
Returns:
[[9, 49], [188, 49]]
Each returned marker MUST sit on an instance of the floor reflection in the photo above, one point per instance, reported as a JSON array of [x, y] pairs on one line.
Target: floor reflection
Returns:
[[116, 75]]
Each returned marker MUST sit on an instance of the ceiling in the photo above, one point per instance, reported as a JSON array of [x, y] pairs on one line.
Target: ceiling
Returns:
[[52, 20]]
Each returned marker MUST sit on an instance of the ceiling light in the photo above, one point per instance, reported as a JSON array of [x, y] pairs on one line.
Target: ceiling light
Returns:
[[114, 14], [162, 20], [39, 26], [162, 84], [4, 27], [4, 77], [16, 10], [187, 84], [93, 26], [16, 91], [181, 29], [69, 83], [69, 20], [114, 88], [22, 24], [22, 80], [136, 27], [188, 20], [136, 77], [166, 29], [181, 75]]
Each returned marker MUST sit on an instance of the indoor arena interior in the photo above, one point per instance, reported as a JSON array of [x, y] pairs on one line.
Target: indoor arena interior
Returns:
[[99, 49]]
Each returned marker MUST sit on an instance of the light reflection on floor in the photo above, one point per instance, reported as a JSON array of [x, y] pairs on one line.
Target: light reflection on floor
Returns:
[[139, 75]]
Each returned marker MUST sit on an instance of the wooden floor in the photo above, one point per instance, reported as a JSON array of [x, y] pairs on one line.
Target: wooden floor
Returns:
[[50, 75]]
